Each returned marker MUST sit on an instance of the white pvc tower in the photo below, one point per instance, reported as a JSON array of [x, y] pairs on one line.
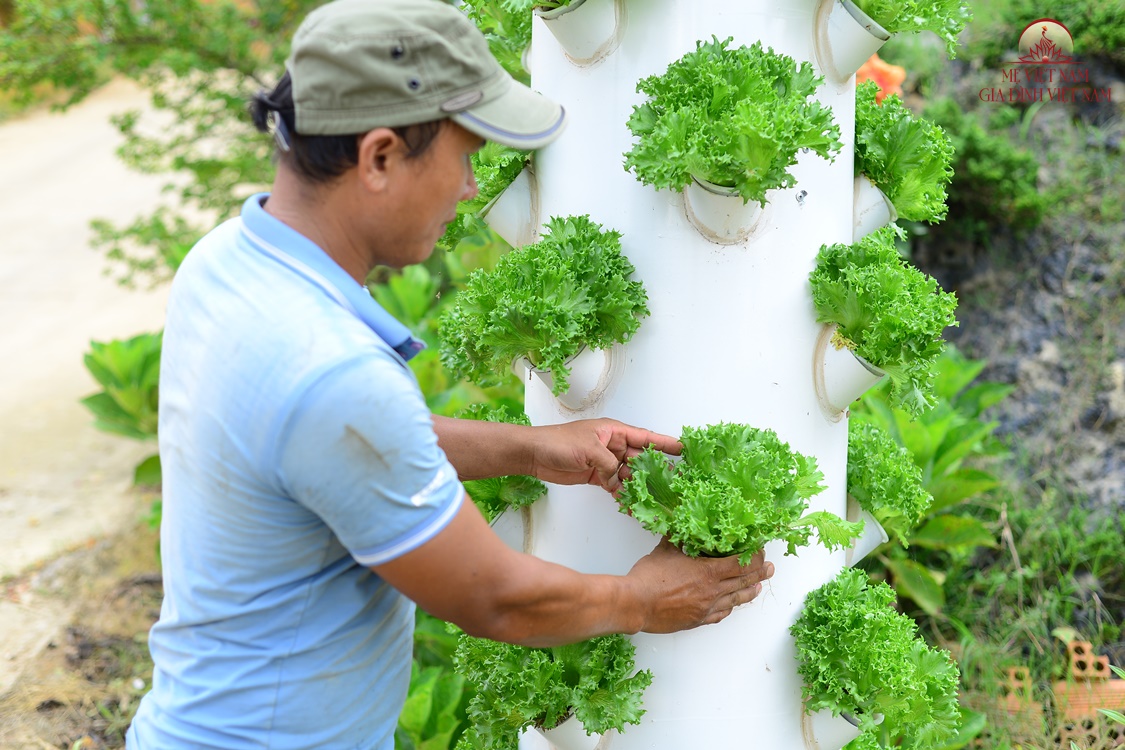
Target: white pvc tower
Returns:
[[732, 337]]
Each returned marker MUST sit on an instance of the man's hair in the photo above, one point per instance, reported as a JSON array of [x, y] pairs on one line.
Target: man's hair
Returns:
[[323, 158]]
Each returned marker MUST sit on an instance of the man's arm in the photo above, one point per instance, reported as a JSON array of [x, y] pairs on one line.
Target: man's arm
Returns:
[[588, 451], [467, 576]]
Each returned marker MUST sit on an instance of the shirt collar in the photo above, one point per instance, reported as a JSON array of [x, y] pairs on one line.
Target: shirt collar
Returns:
[[304, 256]]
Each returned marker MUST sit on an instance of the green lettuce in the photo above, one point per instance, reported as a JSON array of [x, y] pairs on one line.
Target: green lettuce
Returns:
[[495, 167], [734, 117], [887, 312], [494, 495], [546, 301], [859, 656], [907, 157], [884, 479], [519, 687], [736, 488], [946, 18]]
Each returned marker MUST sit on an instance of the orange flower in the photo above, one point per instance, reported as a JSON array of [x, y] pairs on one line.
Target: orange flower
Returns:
[[887, 77]]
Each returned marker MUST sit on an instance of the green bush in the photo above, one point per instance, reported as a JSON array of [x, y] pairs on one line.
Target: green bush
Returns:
[[995, 183]]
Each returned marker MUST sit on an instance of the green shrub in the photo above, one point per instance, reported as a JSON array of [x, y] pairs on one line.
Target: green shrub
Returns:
[[995, 183]]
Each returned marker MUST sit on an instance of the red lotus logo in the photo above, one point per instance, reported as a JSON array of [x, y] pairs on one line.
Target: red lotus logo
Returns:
[[1046, 41]]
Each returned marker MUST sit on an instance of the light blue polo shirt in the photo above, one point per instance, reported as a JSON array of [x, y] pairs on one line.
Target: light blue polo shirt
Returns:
[[297, 451]]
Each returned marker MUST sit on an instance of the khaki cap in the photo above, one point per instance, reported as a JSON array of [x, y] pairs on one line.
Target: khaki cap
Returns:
[[357, 65]]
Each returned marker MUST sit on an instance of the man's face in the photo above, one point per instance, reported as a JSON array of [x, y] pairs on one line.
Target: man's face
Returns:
[[429, 188]]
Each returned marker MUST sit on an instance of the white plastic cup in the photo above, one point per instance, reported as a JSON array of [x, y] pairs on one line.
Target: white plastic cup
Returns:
[[823, 731], [845, 38], [592, 373], [514, 214], [871, 209], [587, 30], [571, 735], [839, 376], [719, 212], [872, 536]]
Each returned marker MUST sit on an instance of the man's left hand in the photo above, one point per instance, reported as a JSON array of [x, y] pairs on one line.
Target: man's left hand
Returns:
[[593, 451]]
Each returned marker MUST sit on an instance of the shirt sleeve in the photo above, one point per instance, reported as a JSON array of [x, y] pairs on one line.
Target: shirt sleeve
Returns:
[[359, 451]]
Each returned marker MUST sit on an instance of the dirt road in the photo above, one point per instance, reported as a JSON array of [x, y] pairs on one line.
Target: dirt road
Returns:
[[62, 483]]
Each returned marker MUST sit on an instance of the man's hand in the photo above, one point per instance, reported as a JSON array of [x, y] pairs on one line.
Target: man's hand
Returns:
[[685, 593], [592, 451]]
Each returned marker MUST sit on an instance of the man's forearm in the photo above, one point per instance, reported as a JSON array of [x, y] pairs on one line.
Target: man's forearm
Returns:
[[479, 449]]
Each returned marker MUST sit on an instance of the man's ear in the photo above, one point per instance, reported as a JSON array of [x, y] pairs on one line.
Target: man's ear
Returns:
[[380, 151]]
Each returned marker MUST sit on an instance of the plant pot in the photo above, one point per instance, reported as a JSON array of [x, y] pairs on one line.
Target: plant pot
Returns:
[[588, 31], [513, 526], [571, 735], [592, 372], [871, 209], [839, 376], [514, 214], [719, 213], [845, 38], [872, 536], [823, 731]]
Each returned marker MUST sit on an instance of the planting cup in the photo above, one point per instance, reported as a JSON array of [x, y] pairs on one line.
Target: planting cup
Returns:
[[513, 526], [872, 536], [592, 373], [719, 212], [571, 735], [871, 209], [845, 38], [514, 214], [823, 731], [587, 30], [839, 376]]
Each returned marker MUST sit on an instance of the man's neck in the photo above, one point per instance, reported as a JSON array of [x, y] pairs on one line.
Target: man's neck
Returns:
[[321, 216]]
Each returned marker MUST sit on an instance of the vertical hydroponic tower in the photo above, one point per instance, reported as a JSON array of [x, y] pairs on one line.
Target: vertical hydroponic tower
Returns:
[[732, 337]]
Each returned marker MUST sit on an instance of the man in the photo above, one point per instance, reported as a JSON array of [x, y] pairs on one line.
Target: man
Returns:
[[309, 496]]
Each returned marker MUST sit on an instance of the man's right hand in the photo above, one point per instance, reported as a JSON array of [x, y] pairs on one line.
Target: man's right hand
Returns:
[[685, 592]]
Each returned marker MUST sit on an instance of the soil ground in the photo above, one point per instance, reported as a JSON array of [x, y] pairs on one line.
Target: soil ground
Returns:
[[65, 488]]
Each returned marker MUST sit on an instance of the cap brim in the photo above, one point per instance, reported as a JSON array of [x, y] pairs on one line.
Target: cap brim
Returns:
[[519, 117]]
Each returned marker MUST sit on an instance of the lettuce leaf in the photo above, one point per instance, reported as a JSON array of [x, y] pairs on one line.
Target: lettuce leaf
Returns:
[[946, 18], [907, 157], [885, 480], [735, 117], [546, 301], [496, 494], [736, 488], [857, 654], [519, 687], [495, 167], [887, 312]]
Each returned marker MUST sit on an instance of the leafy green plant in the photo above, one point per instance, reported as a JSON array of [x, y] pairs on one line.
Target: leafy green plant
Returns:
[[995, 182], [494, 167], [129, 374], [546, 301], [907, 157], [496, 494], [884, 479], [519, 687], [507, 30], [940, 443], [886, 311], [433, 712], [736, 488], [733, 117], [946, 18], [857, 655]]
